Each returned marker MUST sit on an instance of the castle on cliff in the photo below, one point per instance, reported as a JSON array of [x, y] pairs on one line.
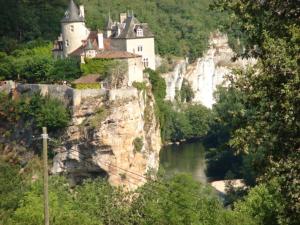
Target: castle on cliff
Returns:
[[127, 39]]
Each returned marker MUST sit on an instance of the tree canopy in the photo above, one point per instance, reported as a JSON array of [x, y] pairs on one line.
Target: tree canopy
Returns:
[[178, 25], [270, 129]]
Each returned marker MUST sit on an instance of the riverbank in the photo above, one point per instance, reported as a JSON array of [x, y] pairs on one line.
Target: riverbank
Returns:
[[184, 141], [220, 185]]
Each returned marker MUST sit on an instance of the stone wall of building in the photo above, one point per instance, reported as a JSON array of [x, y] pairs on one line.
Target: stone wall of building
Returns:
[[148, 49], [135, 70]]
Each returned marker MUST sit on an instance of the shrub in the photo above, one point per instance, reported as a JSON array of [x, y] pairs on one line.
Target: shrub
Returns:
[[11, 190], [138, 144], [87, 86], [65, 69], [186, 92], [97, 66], [100, 115], [52, 114], [141, 86], [63, 210], [37, 110], [158, 85]]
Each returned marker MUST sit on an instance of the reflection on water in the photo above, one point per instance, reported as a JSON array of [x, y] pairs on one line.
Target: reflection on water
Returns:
[[184, 158]]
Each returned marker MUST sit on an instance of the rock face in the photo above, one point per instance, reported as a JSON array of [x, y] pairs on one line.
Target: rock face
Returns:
[[174, 79], [207, 72], [116, 136]]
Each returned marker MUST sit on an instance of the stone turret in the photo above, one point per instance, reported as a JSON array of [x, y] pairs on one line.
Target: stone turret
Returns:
[[74, 30]]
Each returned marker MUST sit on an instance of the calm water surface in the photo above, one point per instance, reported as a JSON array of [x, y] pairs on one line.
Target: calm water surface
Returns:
[[185, 158]]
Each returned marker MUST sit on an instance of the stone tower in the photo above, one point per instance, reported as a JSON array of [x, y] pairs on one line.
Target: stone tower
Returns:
[[74, 30]]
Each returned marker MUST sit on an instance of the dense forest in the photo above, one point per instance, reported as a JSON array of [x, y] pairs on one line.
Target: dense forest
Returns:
[[252, 131], [181, 27]]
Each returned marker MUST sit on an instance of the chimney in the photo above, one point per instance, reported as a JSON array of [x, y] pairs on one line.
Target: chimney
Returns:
[[123, 17], [81, 11], [100, 40]]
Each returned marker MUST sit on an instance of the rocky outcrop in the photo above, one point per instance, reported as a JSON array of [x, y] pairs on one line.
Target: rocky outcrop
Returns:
[[116, 136], [206, 73], [174, 79]]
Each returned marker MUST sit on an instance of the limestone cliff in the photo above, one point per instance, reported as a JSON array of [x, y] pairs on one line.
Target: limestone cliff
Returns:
[[206, 73], [116, 135]]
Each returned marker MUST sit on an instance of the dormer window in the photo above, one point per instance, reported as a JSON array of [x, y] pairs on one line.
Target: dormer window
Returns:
[[139, 32]]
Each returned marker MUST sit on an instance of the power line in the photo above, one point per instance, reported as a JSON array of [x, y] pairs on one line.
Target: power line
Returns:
[[128, 171], [110, 164], [45, 137], [152, 190]]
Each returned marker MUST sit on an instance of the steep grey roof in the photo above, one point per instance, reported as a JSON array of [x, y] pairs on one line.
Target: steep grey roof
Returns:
[[72, 14], [131, 26]]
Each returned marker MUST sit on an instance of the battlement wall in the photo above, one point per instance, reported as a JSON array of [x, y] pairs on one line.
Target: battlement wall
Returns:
[[66, 94]]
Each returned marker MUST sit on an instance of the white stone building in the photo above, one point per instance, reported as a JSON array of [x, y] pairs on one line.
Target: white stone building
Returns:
[[127, 40], [132, 36]]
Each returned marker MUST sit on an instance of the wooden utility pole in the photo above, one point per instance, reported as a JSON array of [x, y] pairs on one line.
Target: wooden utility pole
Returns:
[[45, 162]]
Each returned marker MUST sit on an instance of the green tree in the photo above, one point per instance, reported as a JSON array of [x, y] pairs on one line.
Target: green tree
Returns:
[[12, 189], [64, 69], [181, 200], [63, 211], [199, 119], [158, 85], [263, 203], [103, 202], [52, 114], [186, 92], [38, 110], [271, 90], [227, 116]]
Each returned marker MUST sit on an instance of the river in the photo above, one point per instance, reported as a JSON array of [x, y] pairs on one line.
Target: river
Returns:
[[185, 158]]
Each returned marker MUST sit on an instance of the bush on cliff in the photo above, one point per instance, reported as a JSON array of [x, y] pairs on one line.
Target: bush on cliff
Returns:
[[180, 121], [35, 64], [37, 110]]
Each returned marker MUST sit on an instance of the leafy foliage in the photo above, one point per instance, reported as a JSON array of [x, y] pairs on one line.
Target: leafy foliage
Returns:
[[270, 131], [138, 144], [63, 211], [178, 25], [97, 66], [263, 203], [186, 92], [36, 64], [11, 190], [181, 121], [65, 69], [141, 86], [226, 118], [179, 200], [86, 86], [38, 110]]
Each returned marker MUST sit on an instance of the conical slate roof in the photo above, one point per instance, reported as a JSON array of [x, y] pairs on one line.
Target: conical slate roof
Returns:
[[72, 14]]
